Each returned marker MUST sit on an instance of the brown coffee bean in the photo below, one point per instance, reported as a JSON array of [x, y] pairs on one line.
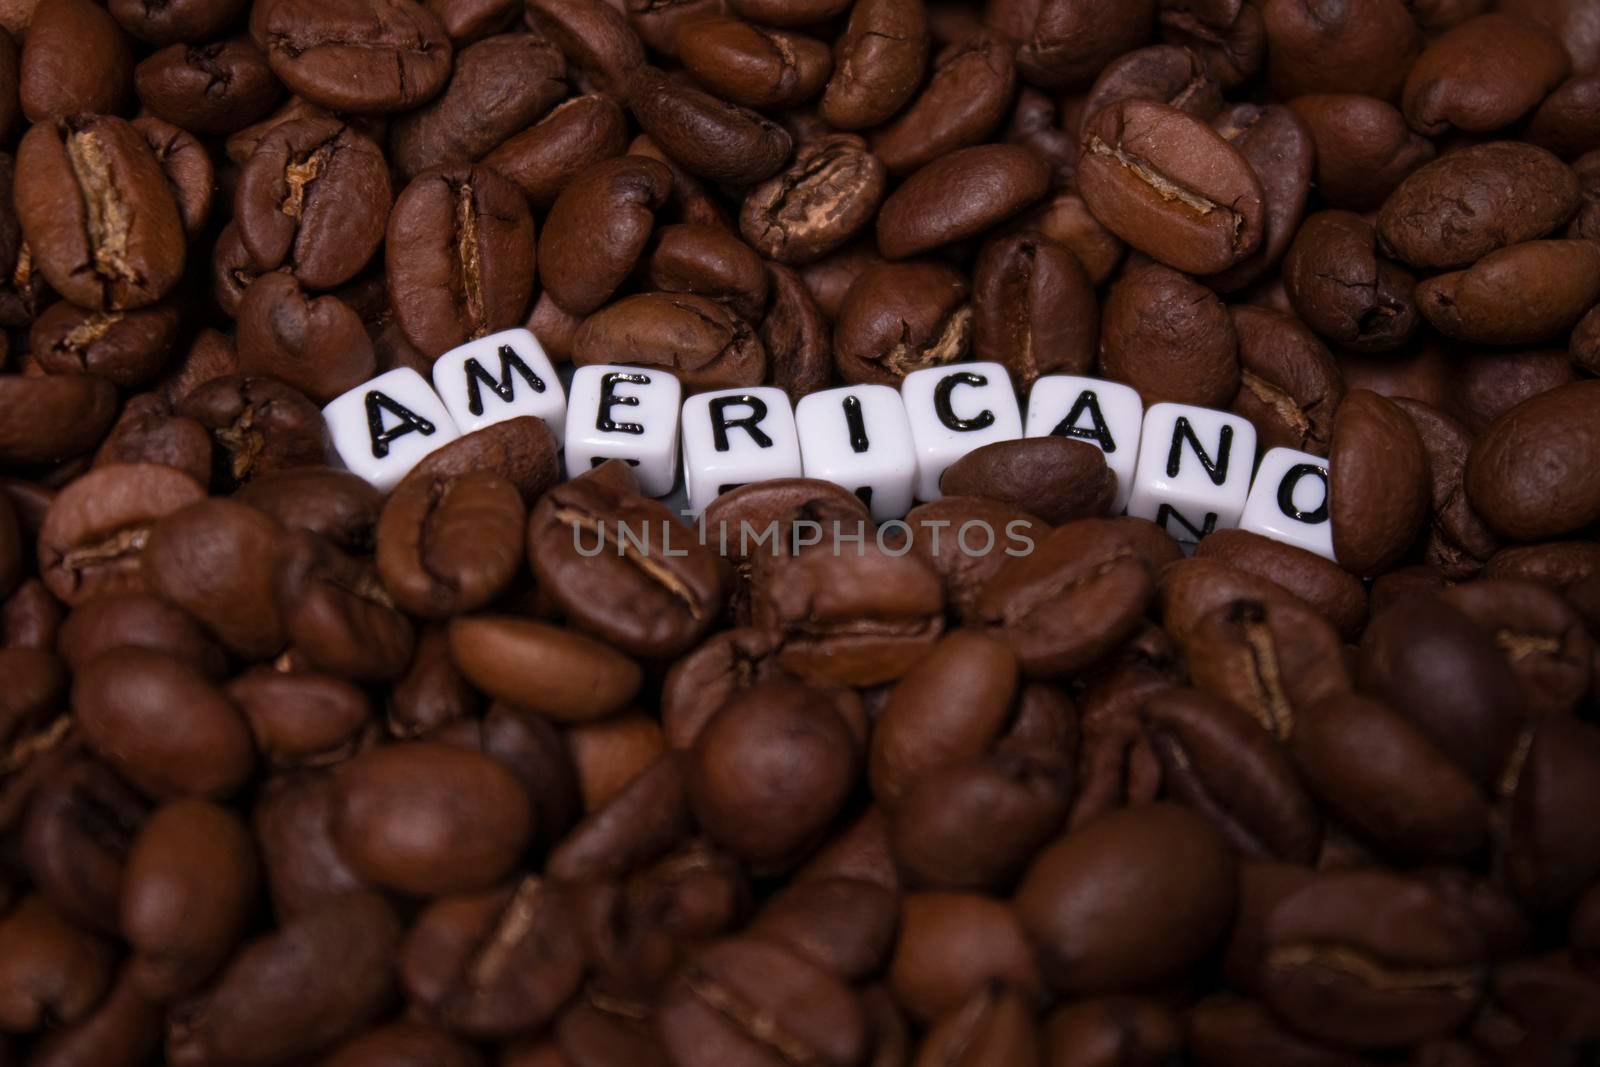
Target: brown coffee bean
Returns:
[[1058, 478], [1336, 594], [496, 963], [763, 1004], [293, 825], [188, 20], [75, 837], [1364, 47], [1079, 595], [711, 262], [336, 614], [1065, 43], [755, 66], [1033, 123], [877, 64], [959, 196], [52, 971], [825, 197], [521, 450], [118, 241], [186, 896], [1173, 898], [699, 340], [1279, 148], [1224, 1030], [708, 136], [1543, 638], [447, 547], [1368, 959], [1527, 485], [215, 88], [1035, 309], [1470, 203], [259, 425], [217, 559], [161, 725], [598, 228], [543, 668], [690, 200], [1167, 184], [900, 317], [339, 505], [789, 12], [149, 432], [796, 335], [125, 347], [1218, 760], [1170, 338], [357, 55], [316, 344], [1562, 122], [1549, 855], [301, 719], [75, 60], [1173, 76], [595, 37], [543, 158], [1364, 148], [1375, 455], [499, 86], [1483, 75], [404, 1044], [815, 600], [1271, 657], [96, 530], [1343, 289], [769, 821], [843, 925], [1290, 386], [123, 1030], [313, 197], [951, 945], [52, 418], [1519, 295], [1457, 540], [1382, 776], [318, 978], [461, 257], [963, 104]]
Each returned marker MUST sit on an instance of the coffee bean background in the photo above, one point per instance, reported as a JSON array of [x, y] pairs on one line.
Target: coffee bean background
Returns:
[[297, 772]]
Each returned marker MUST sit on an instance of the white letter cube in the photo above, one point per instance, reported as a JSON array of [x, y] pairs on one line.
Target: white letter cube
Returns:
[[1194, 470], [954, 410], [859, 438], [732, 437], [1107, 415], [500, 377], [1289, 501], [626, 413], [383, 427]]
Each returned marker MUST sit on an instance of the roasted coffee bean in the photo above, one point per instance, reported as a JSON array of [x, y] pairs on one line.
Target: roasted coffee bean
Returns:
[[754, 1000], [1065, 43], [161, 725], [461, 257], [705, 345], [1181, 862], [149, 432], [188, 20], [1368, 959], [1549, 855], [826, 196], [1542, 637], [1457, 540], [543, 668], [1034, 309], [1458, 209], [187, 895], [1033, 123], [1363, 47], [52, 971], [208, 89], [598, 228], [49, 419], [293, 825], [1226, 1029], [1341, 286], [951, 945], [259, 425], [123, 1030], [339, 505], [493, 964], [1519, 295], [313, 198], [1333, 591], [1490, 382], [316, 344], [76, 834], [217, 559], [1057, 478], [796, 335], [1483, 75], [301, 719], [1077, 596], [878, 63], [1167, 75], [1531, 485], [1364, 149], [447, 547], [753, 65], [708, 136], [1170, 338], [543, 158], [1290, 386], [959, 196], [316, 979], [1279, 148], [190, 173], [357, 55], [75, 60], [708, 261], [115, 241], [1111, 1030], [404, 1044], [595, 37], [128, 348], [336, 613], [789, 12], [1375, 455], [901, 317], [96, 530], [964, 102], [499, 87], [1167, 184]]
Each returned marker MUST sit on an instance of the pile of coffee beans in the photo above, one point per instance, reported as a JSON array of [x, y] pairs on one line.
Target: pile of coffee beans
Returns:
[[296, 772]]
